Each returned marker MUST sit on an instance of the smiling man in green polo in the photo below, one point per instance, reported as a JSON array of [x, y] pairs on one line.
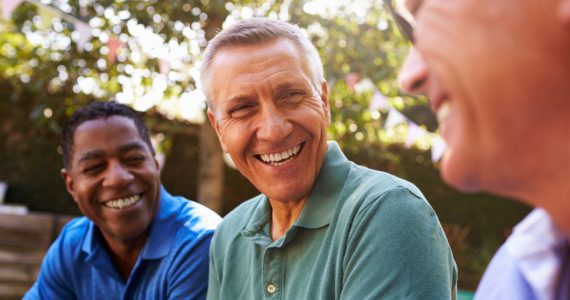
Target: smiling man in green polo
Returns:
[[323, 227]]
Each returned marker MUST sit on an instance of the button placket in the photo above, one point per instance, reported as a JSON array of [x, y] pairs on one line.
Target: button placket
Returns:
[[272, 272]]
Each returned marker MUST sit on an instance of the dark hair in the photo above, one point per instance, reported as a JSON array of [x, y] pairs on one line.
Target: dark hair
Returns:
[[99, 110]]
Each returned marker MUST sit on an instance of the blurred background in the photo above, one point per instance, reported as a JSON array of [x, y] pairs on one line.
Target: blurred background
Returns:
[[58, 55]]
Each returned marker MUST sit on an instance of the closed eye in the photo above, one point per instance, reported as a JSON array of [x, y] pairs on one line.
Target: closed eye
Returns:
[[94, 169], [292, 96], [133, 160], [242, 110]]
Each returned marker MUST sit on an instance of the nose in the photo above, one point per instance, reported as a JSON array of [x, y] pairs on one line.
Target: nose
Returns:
[[274, 124], [117, 175], [413, 77]]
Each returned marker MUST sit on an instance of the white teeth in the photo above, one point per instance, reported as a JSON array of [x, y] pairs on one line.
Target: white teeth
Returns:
[[123, 202], [279, 157], [443, 112]]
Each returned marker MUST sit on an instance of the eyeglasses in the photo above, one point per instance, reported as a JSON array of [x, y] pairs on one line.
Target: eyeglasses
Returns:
[[402, 17]]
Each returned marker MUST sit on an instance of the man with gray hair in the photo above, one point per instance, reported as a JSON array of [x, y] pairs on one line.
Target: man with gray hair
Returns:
[[323, 227]]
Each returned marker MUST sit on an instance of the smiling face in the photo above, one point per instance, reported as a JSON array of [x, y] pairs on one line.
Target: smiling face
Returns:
[[269, 117], [113, 177], [494, 72]]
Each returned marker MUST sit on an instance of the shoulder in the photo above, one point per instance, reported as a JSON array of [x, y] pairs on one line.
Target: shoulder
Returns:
[[240, 216], [245, 209], [73, 233], [378, 182], [186, 228], [199, 217], [238, 219], [65, 251], [367, 189], [191, 217], [503, 279]]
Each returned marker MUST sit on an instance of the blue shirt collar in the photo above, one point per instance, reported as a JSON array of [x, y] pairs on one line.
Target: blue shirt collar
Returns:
[[161, 237]]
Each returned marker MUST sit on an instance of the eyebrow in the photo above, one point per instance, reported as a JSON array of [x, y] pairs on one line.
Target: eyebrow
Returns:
[[98, 154], [284, 86], [131, 146], [240, 98], [91, 155], [280, 88]]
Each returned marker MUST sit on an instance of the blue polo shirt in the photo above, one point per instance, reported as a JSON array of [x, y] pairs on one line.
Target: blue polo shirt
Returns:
[[172, 265]]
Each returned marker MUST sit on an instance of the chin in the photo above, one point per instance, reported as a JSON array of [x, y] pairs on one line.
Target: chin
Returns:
[[287, 195], [456, 173]]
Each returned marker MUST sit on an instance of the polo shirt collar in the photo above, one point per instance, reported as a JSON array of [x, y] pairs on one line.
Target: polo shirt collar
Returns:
[[94, 247], [163, 228], [161, 235], [323, 198], [320, 205], [539, 248], [92, 239], [260, 218]]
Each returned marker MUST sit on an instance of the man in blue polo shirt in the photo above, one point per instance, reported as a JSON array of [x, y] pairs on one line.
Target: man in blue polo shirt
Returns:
[[136, 240]]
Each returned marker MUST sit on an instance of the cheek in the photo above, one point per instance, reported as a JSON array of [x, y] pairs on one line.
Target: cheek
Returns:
[[235, 136], [314, 110], [151, 175], [83, 201], [82, 190]]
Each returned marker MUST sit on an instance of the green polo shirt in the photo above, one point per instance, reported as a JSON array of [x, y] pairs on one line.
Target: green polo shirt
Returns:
[[363, 234]]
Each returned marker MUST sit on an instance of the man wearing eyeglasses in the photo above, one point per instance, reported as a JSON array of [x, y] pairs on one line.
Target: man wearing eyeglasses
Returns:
[[498, 77]]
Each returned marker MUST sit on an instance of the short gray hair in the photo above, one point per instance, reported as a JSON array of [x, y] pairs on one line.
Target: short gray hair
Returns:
[[257, 31]]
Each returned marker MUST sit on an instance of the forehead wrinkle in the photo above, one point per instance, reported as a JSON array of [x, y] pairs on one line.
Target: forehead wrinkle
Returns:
[[273, 63], [290, 81], [271, 82], [226, 58]]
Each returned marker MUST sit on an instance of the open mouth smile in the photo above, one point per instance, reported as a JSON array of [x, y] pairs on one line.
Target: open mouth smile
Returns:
[[281, 158], [443, 111], [122, 203]]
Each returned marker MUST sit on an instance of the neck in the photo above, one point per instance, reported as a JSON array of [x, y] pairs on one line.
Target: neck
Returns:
[[554, 197], [283, 215], [545, 182], [538, 173], [124, 253]]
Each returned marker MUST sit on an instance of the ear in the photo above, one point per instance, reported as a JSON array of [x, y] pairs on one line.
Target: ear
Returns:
[[212, 118], [325, 100], [156, 163], [69, 184]]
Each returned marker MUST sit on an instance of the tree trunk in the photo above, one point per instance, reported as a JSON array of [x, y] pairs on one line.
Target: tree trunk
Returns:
[[211, 168]]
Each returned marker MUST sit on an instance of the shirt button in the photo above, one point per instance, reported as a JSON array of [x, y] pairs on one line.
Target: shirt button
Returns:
[[271, 288]]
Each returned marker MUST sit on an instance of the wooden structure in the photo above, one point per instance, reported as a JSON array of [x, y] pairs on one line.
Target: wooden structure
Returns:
[[24, 239]]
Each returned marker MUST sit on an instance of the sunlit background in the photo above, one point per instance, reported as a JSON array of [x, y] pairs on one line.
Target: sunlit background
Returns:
[[56, 56]]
